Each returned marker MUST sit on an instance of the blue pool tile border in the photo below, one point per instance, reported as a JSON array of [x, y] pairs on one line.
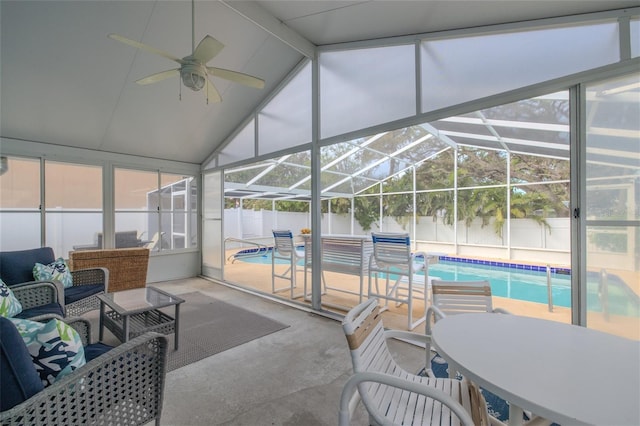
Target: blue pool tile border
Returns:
[[525, 267], [511, 265]]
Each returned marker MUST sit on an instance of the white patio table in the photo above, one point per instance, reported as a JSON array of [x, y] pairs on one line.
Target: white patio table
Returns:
[[564, 373]]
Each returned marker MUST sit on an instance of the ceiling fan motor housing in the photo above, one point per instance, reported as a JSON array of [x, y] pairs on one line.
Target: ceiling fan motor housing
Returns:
[[193, 76]]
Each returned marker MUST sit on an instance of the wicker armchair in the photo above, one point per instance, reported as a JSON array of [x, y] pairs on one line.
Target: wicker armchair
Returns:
[[122, 386], [16, 268], [39, 299]]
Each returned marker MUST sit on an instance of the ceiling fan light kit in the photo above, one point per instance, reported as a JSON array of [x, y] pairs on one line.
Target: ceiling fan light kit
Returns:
[[193, 70], [193, 77]]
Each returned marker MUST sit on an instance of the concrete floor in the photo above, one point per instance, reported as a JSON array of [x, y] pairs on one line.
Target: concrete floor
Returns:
[[291, 377]]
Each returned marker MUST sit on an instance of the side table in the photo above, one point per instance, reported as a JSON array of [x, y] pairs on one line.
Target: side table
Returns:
[[135, 312]]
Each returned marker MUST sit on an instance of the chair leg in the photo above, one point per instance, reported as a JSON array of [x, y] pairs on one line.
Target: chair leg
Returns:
[[304, 291], [293, 276], [395, 289], [425, 298], [289, 274], [410, 303], [386, 290], [273, 274]]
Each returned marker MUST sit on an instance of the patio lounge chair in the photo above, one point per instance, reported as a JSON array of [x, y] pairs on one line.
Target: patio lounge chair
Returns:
[[392, 395]]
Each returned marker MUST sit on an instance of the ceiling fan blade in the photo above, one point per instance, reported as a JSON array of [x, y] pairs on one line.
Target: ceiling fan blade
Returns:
[[207, 49], [212, 93], [154, 78], [150, 49], [237, 77]]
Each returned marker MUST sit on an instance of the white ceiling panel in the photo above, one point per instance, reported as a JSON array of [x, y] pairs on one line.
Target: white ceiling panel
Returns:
[[63, 81], [329, 22]]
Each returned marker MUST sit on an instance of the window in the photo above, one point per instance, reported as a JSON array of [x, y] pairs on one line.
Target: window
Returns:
[[19, 204], [612, 213], [155, 210], [362, 87], [504, 61], [73, 206]]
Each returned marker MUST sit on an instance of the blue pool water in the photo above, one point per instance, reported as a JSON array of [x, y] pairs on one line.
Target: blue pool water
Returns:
[[508, 282], [520, 282]]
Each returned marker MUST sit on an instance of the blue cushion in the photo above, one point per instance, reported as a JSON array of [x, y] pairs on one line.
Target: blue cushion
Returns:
[[17, 266], [49, 308], [79, 292], [95, 350], [20, 381]]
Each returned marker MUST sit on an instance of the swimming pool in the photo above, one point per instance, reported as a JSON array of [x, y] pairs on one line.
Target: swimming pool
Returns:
[[515, 281]]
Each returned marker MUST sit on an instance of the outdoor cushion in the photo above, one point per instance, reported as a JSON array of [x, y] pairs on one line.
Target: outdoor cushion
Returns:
[[78, 292], [20, 381], [57, 270], [55, 348], [49, 308], [95, 350], [9, 304], [17, 266]]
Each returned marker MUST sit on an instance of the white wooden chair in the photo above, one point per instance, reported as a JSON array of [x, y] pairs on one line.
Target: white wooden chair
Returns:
[[392, 256], [285, 249], [392, 395], [457, 297]]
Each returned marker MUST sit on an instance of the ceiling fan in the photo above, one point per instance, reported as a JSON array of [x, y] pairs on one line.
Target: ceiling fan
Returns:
[[193, 70]]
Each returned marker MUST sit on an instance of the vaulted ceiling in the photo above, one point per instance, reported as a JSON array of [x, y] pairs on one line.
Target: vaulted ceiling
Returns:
[[64, 82]]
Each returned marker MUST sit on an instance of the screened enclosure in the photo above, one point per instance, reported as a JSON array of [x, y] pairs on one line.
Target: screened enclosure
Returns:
[[401, 148]]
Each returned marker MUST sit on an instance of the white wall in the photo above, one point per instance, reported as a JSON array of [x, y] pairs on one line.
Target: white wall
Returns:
[[22, 230]]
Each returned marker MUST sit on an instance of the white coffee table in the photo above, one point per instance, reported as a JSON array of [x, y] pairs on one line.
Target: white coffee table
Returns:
[[564, 373]]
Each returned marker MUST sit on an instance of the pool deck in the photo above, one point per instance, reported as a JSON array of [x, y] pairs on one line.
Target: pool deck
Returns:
[[258, 277]]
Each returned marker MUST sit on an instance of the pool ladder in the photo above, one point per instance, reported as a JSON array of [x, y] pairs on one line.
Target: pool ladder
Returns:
[[259, 250], [603, 286]]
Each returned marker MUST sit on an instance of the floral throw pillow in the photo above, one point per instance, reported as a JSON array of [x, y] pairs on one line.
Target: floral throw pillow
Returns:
[[55, 348], [9, 305], [58, 270]]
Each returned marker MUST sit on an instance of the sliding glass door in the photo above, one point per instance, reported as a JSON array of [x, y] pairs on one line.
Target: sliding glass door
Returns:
[[613, 206]]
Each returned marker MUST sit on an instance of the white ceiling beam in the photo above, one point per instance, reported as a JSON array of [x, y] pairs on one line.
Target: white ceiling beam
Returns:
[[508, 123], [255, 13]]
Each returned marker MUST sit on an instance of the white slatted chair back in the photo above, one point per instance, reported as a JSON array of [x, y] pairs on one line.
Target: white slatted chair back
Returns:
[[384, 400], [455, 297], [391, 249], [283, 242], [458, 297]]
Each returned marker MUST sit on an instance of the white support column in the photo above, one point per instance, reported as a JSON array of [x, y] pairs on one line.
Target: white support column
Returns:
[[316, 211]]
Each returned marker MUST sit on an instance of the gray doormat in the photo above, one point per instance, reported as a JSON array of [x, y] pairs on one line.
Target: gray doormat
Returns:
[[209, 326]]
